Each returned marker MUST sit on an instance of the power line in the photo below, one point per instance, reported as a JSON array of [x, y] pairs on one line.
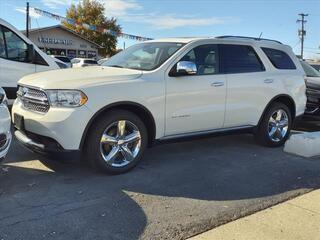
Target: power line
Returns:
[[302, 31]]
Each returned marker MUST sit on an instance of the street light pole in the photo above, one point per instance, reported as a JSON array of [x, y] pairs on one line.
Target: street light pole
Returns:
[[302, 32], [27, 20]]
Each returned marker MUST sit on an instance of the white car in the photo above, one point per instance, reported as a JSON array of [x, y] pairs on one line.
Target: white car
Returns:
[[83, 62], [160, 90], [103, 60], [5, 124], [65, 60], [19, 57]]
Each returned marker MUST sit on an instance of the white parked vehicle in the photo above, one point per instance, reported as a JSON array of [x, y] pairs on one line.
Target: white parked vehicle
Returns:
[[159, 90], [103, 60], [19, 57], [83, 62], [63, 59], [5, 124]]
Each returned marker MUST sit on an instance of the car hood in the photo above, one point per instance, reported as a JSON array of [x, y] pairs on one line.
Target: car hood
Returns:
[[74, 78]]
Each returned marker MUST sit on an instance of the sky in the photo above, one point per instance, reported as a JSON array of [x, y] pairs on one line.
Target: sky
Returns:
[[275, 19]]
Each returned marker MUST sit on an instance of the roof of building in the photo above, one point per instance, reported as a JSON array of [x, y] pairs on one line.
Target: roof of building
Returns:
[[63, 28]]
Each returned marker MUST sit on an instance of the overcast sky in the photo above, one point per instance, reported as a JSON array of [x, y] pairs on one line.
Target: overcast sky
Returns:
[[276, 19]]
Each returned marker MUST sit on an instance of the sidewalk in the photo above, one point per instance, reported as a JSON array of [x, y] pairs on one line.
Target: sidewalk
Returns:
[[296, 219]]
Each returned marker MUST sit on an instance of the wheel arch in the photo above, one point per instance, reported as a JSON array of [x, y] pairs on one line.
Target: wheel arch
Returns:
[[136, 108], [282, 98]]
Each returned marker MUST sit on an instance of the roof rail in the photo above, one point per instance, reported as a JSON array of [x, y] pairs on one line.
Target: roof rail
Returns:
[[253, 38]]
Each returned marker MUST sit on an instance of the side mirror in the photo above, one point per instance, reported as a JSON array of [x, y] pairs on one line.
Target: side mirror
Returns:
[[184, 68], [31, 53]]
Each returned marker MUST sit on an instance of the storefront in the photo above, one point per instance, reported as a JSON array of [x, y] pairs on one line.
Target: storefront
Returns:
[[59, 40]]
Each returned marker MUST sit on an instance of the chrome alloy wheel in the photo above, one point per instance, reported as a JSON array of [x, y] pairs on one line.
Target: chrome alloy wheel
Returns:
[[278, 125], [120, 143]]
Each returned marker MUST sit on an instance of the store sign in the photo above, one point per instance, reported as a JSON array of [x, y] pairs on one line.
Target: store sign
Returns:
[[54, 41]]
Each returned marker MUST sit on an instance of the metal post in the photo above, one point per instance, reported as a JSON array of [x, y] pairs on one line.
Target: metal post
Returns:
[[27, 20], [302, 32]]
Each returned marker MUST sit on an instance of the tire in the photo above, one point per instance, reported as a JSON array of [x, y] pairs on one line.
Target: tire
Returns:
[[116, 146], [265, 129]]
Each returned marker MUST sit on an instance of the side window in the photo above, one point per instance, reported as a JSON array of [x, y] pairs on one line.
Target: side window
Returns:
[[17, 49], [3, 53], [239, 59], [279, 59], [205, 57]]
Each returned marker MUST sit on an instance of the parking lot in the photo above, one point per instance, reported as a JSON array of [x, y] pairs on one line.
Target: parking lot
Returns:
[[179, 190]]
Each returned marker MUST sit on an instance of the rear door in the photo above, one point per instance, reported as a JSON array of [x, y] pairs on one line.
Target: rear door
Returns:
[[249, 87], [13, 60]]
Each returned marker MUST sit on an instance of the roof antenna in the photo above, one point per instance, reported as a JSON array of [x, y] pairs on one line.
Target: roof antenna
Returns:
[[260, 35]]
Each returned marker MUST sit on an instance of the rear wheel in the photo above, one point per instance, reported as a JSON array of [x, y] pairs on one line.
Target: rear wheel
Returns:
[[116, 142], [274, 129]]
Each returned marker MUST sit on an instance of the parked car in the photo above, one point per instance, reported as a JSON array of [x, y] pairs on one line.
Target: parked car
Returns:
[[83, 62], [64, 59], [5, 124], [19, 57], [160, 90], [103, 60], [313, 89]]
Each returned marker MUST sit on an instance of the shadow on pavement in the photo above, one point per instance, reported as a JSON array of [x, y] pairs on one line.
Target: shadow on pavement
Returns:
[[178, 190]]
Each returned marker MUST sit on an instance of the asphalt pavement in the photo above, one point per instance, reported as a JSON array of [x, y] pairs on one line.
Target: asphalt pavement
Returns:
[[178, 190]]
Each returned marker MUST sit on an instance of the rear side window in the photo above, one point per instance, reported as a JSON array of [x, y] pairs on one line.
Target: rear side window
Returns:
[[239, 59], [279, 59]]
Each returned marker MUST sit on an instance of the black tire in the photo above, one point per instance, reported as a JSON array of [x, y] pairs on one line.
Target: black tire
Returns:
[[92, 143], [262, 131]]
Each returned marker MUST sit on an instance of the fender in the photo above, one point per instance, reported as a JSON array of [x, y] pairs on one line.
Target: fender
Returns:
[[123, 105], [281, 97]]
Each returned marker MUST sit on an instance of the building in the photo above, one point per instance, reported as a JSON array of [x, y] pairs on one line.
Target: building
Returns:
[[59, 40]]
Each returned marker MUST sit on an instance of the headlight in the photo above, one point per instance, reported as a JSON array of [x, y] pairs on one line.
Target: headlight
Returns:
[[66, 98]]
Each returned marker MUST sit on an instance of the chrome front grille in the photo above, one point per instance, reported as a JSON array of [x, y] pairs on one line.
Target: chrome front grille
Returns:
[[33, 99]]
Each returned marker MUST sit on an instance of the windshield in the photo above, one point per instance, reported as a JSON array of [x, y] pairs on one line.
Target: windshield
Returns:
[[310, 71], [144, 56]]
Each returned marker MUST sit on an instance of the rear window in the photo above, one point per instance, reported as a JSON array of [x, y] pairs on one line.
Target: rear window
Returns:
[[90, 61], [239, 59], [279, 59]]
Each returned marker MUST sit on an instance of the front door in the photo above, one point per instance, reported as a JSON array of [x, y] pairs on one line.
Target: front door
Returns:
[[196, 103]]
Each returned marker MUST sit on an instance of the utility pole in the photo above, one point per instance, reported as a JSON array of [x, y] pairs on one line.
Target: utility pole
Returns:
[[27, 20], [302, 32]]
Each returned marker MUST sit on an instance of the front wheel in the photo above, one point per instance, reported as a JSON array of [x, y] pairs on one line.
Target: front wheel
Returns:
[[116, 142], [275, 126]]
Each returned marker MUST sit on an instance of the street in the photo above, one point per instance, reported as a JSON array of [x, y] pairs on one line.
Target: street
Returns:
[[178, 190]]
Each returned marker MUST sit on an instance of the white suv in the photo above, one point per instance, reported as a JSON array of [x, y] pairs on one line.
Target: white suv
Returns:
[[159, 90]]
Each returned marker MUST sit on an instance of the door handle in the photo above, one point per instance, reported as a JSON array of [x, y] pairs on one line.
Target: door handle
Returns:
[[268, 80], [217, 84]]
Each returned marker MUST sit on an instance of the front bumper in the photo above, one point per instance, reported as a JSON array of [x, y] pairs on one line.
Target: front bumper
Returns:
[[33, 142], [58, 130]]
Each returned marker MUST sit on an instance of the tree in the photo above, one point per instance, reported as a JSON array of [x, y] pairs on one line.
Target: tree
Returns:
[[92, 12]]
